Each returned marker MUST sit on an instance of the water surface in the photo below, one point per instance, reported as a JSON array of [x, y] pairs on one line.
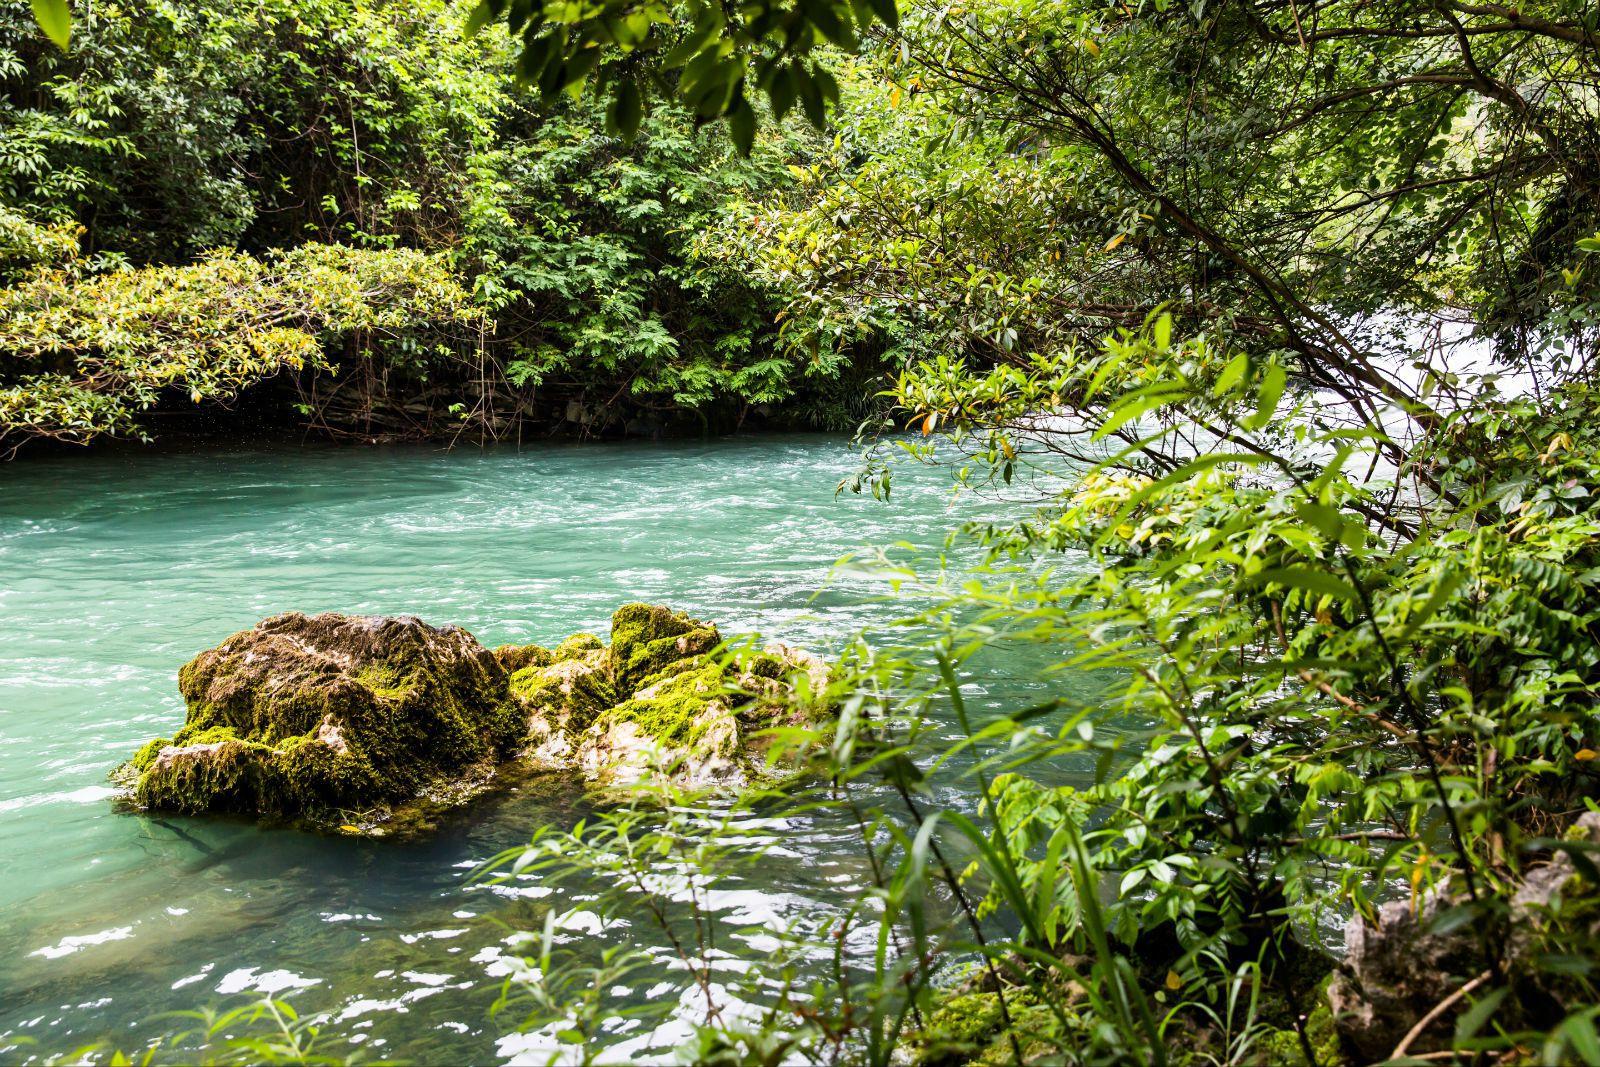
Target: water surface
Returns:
[[116, 569]]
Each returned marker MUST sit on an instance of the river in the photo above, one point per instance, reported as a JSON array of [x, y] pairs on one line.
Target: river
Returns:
[[115, 568]]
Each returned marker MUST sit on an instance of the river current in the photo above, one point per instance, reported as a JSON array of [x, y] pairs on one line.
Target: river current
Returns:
[[117, 568]]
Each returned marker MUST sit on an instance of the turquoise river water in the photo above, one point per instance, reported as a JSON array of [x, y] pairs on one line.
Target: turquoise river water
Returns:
[[115, 569]]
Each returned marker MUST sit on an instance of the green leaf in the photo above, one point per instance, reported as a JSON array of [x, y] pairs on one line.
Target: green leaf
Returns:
[[781, 93], [1473, 1018], [1327, 520], [811, 100], [742, 124], [1448, 583], [1267, 397], [1162, 334], [1135, 405], [1577, 1032], [626, 110], [1306, 578], [888, 11], [826, 83], [480, 17], [1232, 374], [55, 20]]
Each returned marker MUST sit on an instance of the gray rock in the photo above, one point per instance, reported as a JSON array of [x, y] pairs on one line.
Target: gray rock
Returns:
[[1396, 970]]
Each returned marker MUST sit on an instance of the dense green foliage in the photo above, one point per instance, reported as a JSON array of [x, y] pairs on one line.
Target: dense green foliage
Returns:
[[1278, 322], [105, 346], [171, 133]]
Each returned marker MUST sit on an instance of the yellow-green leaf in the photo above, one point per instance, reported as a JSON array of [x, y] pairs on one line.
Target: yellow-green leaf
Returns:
[[55, 20], [1308, 579], [1267, 397]]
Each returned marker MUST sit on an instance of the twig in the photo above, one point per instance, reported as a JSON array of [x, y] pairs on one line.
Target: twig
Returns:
[[1438, 1009]]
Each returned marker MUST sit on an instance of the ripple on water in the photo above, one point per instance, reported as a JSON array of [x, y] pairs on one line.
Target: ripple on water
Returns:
[[111, 585]]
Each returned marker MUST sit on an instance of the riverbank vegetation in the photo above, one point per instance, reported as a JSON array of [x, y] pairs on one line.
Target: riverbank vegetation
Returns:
[[558, 292], [1276, 324]]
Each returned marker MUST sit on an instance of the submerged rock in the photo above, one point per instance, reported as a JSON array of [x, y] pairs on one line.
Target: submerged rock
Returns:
[[332, 718], [368, 722], [656, 702]]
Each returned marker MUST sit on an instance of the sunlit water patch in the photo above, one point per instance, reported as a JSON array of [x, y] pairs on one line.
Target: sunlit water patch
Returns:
[[114, 570]]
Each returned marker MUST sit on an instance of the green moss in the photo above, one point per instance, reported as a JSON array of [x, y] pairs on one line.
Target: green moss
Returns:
[[197, 734], [676, 711], [215, 776], [320, 717], [146, 755], [676, 667], [1282, 1048], [517, 657], [280, 722], [569, 693], [646, 639], [763, 665], [958, 1029], [248, 777], [967, 1028], [1323, 1034], [575, 647], [385, 681]]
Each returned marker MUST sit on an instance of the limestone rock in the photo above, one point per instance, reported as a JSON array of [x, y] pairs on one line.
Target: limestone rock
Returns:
[[358, 721], [646, 639], [515, 657], [1395, 971], [657, 703], [1399, 968]]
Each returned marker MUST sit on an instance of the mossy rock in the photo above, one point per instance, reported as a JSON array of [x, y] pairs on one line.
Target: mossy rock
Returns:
[[966, 1027], [517, 657], [333, 719], [705, 722], [1283, 1048], [646, 638], [363, 722], [681, 724], [577, 646], [561, 699], [657, 702]]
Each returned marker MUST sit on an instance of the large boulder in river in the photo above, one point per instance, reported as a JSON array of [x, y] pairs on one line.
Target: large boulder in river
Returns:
[[370, 723], [657, 702], [332, 718]]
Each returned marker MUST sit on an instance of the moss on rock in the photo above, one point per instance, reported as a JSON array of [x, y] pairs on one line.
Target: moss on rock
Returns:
[[966, 1027], [645, 639], [576, 646], [1283, 1048], [516, 657], [682, 724], [329, 718], [657, 701], [356, 720], [561, 699]]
